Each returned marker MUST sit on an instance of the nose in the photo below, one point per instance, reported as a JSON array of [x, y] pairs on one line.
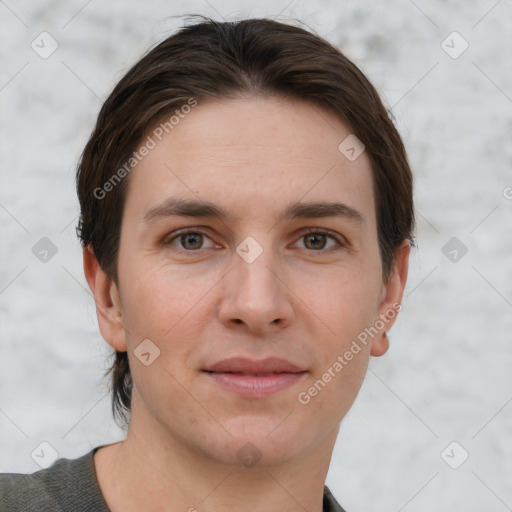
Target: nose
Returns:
[[256, 296]]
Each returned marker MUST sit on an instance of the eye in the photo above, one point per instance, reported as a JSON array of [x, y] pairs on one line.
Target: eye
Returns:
[[189, 240], [316, 240]]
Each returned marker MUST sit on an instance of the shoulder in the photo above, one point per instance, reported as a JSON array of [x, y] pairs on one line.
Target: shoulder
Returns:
[[67, 485], [330, 504]]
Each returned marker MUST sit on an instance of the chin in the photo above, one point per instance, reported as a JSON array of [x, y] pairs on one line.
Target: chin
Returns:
[[257, 440]]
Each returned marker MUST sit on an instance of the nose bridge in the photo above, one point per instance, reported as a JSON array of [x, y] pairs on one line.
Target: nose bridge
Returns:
[[254, 271], [254, 294]]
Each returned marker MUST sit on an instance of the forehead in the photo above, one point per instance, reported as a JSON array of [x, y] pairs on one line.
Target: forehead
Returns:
[[252, 156]]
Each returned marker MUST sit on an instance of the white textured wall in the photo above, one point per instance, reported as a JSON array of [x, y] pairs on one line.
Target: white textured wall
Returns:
[[447, 376]]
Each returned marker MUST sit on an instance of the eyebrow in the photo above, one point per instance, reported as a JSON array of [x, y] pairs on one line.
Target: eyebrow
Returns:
[[173, 207]]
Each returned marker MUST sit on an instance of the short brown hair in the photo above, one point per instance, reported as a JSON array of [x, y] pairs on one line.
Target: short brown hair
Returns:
[[211, 59]]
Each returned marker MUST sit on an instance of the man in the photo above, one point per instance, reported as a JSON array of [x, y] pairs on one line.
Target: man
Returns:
[[246, 218]]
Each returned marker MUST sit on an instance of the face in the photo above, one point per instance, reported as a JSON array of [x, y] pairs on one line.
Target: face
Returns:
[[249, 258]]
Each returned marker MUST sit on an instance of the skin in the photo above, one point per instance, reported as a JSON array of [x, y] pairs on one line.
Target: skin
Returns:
[[297, 300]]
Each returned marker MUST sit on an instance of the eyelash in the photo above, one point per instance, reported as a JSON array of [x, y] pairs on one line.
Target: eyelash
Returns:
[[340, 240]]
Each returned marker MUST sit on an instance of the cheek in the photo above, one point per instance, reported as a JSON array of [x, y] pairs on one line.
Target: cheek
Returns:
[[158, 307], [347, 307], [167, 307], [336, 381], [348, 302], [153, 298]]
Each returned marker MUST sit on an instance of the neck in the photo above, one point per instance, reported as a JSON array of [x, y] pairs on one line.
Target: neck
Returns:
[[157, 472]]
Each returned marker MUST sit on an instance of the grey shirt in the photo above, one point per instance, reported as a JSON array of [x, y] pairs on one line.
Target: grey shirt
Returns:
[[70, 485]]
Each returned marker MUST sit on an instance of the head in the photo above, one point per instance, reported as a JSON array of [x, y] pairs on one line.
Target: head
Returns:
[[232, 124]]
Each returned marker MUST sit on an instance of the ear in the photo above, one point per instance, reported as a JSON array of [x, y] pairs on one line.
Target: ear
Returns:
[[108, 305], [391, 299]]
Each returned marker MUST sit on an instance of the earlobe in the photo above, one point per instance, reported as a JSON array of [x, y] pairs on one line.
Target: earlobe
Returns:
[[380, 344], [106, 297], [390, 304]]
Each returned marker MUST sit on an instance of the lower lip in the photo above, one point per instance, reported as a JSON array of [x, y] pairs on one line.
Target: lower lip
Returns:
[[255, 386]]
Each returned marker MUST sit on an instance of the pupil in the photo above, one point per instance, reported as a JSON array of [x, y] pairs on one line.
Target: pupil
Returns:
[[316, 237], [185, 239]]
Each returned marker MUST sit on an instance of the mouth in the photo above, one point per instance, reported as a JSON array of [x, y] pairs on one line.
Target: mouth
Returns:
[[255, 379]]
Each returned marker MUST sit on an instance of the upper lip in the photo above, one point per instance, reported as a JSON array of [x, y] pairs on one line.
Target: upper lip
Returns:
[[253, 366]]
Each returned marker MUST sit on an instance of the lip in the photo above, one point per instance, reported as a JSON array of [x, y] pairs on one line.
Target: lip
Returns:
[[254, 366], [254, 378]]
